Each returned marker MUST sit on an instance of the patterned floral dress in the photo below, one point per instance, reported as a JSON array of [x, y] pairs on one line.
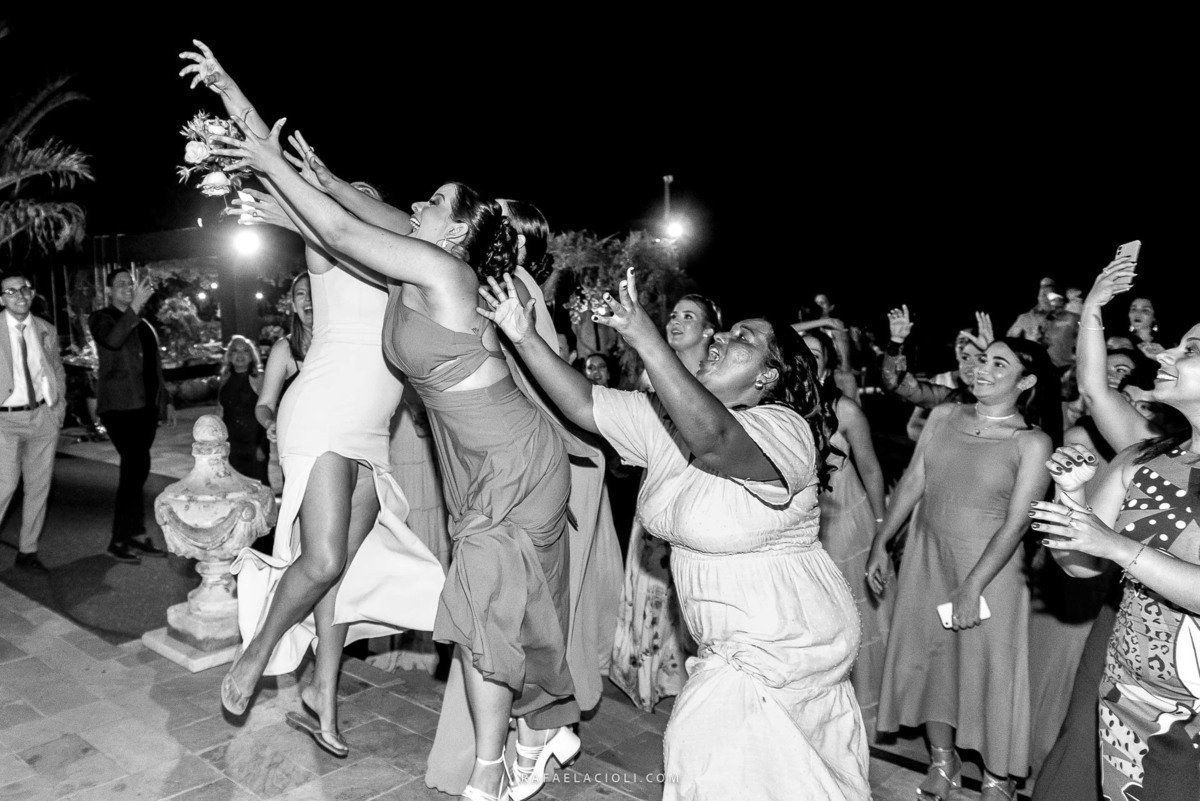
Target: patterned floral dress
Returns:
[[1150, 693]]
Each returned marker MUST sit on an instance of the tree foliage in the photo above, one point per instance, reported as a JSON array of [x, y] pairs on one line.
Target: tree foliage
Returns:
[[31, 173], [587, 266]]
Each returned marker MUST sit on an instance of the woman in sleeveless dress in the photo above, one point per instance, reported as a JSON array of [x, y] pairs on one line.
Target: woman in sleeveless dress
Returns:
[[238, 395], [349, 568], [975, 472], [504, 468], [851, 510], [595, 555], [732, 457], [651, 645]]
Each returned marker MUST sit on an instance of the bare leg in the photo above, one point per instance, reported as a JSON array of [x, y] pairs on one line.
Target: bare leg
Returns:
[[324, 522], [490, 705], [321, 694]]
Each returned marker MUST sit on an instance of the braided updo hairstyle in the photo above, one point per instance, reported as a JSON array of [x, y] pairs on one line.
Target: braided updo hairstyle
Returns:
[[490, 244], [528, 221], [798, 388]]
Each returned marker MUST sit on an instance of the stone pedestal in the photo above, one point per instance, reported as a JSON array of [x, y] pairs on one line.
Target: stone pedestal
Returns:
[[210, 516]]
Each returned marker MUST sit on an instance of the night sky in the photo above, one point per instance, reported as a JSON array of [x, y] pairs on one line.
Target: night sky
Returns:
[[878, 172]]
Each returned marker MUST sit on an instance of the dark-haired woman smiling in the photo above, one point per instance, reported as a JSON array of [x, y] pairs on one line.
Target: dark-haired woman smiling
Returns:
[[732, 456], [504, 469], [976, 469]]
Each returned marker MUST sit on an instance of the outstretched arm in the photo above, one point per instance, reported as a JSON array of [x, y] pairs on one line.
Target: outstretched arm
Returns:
[[1116, 418], [399, 257], [359, 203], [714, 436], [570, 391]]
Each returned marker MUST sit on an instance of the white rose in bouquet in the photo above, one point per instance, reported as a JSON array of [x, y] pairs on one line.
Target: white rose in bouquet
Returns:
[[217, 127], [215, 184], [195, 152]]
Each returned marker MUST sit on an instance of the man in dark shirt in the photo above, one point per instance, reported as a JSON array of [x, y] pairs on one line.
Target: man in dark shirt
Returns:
[[131, 399]]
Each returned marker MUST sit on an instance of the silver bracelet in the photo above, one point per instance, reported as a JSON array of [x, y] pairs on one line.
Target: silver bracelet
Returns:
[[1089, 327], [1132, 562]]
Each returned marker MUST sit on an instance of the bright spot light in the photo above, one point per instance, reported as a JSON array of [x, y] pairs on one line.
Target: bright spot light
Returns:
[[258, 296], [213, 285], [246, 242], [675, 229], [199, 222], [202, 295]]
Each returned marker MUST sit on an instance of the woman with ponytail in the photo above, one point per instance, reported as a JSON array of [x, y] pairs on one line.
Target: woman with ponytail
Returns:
[[851, 510], [976, 470], [505, 473], [732, 458]]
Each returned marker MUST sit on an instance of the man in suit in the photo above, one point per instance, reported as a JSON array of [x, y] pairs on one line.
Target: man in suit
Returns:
[[131, 399], [33, 402]]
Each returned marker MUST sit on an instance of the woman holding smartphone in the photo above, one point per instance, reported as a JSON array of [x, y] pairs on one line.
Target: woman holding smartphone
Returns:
[[975, 471]]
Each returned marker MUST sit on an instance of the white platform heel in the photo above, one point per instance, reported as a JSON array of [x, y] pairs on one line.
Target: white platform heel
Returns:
[[502, 793], [563, 746]]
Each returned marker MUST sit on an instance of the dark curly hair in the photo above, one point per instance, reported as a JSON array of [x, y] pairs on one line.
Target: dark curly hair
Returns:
[[490, 245], [829, 390], [798, 389], [528, 221], [1041, 405]]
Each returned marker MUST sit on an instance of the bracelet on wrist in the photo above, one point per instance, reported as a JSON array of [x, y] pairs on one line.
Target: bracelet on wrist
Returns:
[[1132, 562], [1089, 327]]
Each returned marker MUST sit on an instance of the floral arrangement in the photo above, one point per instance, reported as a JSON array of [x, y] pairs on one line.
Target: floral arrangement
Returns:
[[218, 179]]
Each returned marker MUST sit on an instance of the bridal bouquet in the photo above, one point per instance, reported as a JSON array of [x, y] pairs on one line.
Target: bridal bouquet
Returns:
[[583, 303], [218, 178]]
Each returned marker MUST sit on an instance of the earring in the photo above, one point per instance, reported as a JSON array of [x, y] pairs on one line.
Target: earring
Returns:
[[1154, 328], [758, 384]]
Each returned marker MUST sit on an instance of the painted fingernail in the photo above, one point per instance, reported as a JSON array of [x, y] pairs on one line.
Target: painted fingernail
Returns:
[[1033, 514], [1037, 525], [1033, 504], [595, 318]]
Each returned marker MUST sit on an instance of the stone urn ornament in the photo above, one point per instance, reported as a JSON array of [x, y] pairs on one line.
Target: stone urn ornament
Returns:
[[209, 516]]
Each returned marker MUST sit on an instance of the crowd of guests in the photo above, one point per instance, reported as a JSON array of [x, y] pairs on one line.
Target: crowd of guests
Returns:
[[451, 467]]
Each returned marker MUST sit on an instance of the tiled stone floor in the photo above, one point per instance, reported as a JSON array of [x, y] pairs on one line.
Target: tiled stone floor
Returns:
[[85, 720]]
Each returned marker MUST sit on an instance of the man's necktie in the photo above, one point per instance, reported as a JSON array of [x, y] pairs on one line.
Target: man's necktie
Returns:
[[31, 392]]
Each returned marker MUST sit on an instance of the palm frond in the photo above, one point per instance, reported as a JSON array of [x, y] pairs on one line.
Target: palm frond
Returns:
[[61, 164], [47, 224], [49, 97]]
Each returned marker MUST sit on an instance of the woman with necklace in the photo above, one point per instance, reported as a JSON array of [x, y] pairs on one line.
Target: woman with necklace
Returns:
[[975, 471]]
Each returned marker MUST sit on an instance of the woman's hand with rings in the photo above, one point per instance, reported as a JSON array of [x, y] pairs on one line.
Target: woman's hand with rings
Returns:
[[1071, 467], [1070, 529], [1114, 279], [206, 68], [259, 208], [310, 167], [626, 315], [879, 571], [504, 309], [255, 152]]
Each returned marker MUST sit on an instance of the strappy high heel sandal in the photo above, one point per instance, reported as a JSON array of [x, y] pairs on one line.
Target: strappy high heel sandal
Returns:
[[502, 793], [563, 746], [1005, 789], [944, 765]]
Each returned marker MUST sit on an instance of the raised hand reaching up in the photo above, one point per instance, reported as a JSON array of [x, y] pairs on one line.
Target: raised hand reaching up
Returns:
[[504, 309], [205, 68]]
